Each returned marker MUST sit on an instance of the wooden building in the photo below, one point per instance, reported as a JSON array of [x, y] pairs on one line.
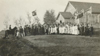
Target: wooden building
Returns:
[[65, 17], [84, 11]]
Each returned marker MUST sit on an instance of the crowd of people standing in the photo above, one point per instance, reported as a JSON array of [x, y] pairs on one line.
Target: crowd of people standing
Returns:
[[62, 28]]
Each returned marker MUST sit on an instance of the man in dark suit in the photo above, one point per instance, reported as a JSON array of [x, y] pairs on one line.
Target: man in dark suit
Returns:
[[80, 29], [43, 30], [25, 30], [9, 27], [86, 30], [83, 29], [91, 30], [57, 29]]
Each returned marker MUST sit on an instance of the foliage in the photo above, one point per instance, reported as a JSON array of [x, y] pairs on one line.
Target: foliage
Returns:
[[49, 17]]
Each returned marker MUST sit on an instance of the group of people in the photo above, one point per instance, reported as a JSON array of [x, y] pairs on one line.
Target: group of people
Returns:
[[72, 29], [68, 28], [86, 29]]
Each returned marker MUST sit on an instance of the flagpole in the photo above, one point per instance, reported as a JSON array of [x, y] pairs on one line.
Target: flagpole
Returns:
[[35, 17], [76, 15], [84, 17]]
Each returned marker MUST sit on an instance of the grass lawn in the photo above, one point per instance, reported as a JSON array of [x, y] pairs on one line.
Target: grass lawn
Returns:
[[66, 45], [51, 45]]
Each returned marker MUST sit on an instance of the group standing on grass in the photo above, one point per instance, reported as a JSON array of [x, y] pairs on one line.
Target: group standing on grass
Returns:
[[62, 28]]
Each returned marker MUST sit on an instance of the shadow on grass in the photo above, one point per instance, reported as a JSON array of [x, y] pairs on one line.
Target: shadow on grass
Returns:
[[19, 47]]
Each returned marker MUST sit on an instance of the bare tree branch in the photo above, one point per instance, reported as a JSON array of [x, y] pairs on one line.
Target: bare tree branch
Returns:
[[16, 22], [6, 22]]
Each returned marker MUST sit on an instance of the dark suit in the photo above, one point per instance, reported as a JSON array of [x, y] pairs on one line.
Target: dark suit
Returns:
[[91, 31], [86, 31], [83, 30], [57, 30]]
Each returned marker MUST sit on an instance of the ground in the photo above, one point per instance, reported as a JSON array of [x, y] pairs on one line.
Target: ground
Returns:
[[67, 45], [51, 45]]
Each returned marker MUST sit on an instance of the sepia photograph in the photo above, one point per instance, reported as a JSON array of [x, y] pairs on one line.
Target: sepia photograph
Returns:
[[49, 27]]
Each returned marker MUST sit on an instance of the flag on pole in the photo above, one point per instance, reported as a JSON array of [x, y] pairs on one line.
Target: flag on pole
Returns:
[[36, 19], [89, 10], [81, 13], [34, 13], [76, 13], [82, 10], [89, 13]]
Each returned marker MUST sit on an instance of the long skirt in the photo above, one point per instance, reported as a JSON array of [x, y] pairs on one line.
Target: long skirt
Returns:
[[55, 30], [76, 31]]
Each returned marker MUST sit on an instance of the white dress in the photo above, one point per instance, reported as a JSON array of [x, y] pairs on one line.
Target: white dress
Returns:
[[70, 29], [17, 33], [51, 30], [73, 28], [66, 29], [63, 28], [76, 32], [55, 29]]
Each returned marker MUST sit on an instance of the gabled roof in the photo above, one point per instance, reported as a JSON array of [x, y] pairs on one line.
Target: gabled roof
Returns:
[[86, 5], [66, 15]]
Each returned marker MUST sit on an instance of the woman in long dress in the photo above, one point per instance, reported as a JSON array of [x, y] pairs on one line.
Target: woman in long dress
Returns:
[[70, 29], [51, 30], [55, 29], [73, 29], [66, 29], [60, 30], [63, 30], [76, 31]]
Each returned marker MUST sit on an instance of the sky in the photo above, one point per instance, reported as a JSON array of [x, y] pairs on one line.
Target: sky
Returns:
[[15, 9]]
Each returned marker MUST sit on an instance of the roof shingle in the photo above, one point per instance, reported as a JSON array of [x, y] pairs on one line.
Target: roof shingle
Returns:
[[86, 5], [66, 15]]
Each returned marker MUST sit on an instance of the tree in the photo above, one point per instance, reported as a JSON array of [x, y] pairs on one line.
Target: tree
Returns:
[[20, 21], [49, 17], [16, 22]]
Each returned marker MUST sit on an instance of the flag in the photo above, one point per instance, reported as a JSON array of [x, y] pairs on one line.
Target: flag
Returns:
[[89, 10], [80, 15], [76, 13], [88, 14], [34, 13], [82, 11]]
